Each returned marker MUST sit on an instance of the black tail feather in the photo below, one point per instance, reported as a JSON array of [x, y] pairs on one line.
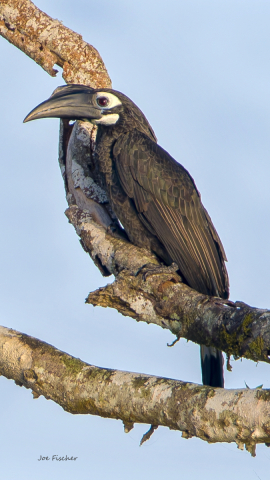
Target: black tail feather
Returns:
[[212, 366]]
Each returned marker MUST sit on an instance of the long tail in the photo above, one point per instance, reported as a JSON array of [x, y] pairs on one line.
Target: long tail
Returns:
[[212, 366]]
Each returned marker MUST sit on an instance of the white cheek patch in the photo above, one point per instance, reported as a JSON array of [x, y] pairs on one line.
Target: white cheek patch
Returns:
[[110, 119]]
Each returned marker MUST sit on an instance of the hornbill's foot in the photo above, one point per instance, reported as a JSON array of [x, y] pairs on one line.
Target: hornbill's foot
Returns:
[[150, 269], [222, 301]]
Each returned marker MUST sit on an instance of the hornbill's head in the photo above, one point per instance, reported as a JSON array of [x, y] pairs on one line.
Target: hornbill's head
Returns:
[[102, 106]]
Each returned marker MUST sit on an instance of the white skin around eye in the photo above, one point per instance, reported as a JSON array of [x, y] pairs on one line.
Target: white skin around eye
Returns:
[[113, 100]]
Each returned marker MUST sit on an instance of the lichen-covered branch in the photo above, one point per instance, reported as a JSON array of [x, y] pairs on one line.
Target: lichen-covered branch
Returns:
[[48, 42], [214, 415], [235, 328]]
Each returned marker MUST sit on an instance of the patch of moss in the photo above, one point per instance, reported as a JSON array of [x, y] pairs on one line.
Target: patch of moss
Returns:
[[228, 418], [42, 347], [74, 365], [256, 349], [187, 321], [263, 395], [86, 406], [101, 373], [232, 342], [139, 382]]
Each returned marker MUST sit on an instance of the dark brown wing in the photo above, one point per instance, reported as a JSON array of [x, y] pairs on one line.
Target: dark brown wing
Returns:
[[169, 204]]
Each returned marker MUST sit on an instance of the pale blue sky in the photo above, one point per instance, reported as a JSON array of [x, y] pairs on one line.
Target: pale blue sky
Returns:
[[200, 72]]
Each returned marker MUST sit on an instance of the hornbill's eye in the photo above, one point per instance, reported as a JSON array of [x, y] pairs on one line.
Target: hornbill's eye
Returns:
[[103, 101], [107, 100]]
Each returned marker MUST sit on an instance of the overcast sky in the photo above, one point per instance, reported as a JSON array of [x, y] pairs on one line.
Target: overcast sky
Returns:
[[200, 73]]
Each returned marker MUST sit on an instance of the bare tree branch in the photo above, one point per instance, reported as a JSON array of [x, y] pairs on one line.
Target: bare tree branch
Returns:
[[50, 43], [212, 414]]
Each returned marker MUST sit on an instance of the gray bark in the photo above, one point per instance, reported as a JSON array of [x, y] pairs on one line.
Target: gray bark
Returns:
[[48, 42], [212, 414]]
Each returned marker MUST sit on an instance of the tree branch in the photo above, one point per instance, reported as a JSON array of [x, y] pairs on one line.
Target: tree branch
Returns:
[[48, 42], [211, 414]]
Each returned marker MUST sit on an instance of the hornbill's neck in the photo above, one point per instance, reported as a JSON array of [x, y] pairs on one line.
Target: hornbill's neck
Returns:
[[106, 138]]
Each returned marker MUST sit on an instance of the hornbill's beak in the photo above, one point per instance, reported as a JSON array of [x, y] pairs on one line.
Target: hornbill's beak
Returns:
[[71, 101]]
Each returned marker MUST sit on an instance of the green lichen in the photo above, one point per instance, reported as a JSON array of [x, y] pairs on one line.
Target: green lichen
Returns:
[[256, 349], [232, 343], [100, 374], [187, 321], [139, 383], [82, 406], [227, 419], [74, 365], [263, 395], [87, 406], [145, 392]]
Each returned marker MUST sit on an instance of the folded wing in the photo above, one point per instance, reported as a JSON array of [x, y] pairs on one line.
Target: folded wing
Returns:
[[169, 205]]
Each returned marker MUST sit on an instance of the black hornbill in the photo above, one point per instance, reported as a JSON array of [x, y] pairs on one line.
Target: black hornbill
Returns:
[[153, 196]]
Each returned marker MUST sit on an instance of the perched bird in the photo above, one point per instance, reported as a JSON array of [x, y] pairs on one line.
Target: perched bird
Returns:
[[153, 196]]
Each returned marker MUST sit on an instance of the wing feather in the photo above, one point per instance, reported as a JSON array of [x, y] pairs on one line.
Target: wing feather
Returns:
[[169, 205]]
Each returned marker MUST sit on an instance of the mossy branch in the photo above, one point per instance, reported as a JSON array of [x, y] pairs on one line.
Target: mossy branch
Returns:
[[235, 328], [213, 415]]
